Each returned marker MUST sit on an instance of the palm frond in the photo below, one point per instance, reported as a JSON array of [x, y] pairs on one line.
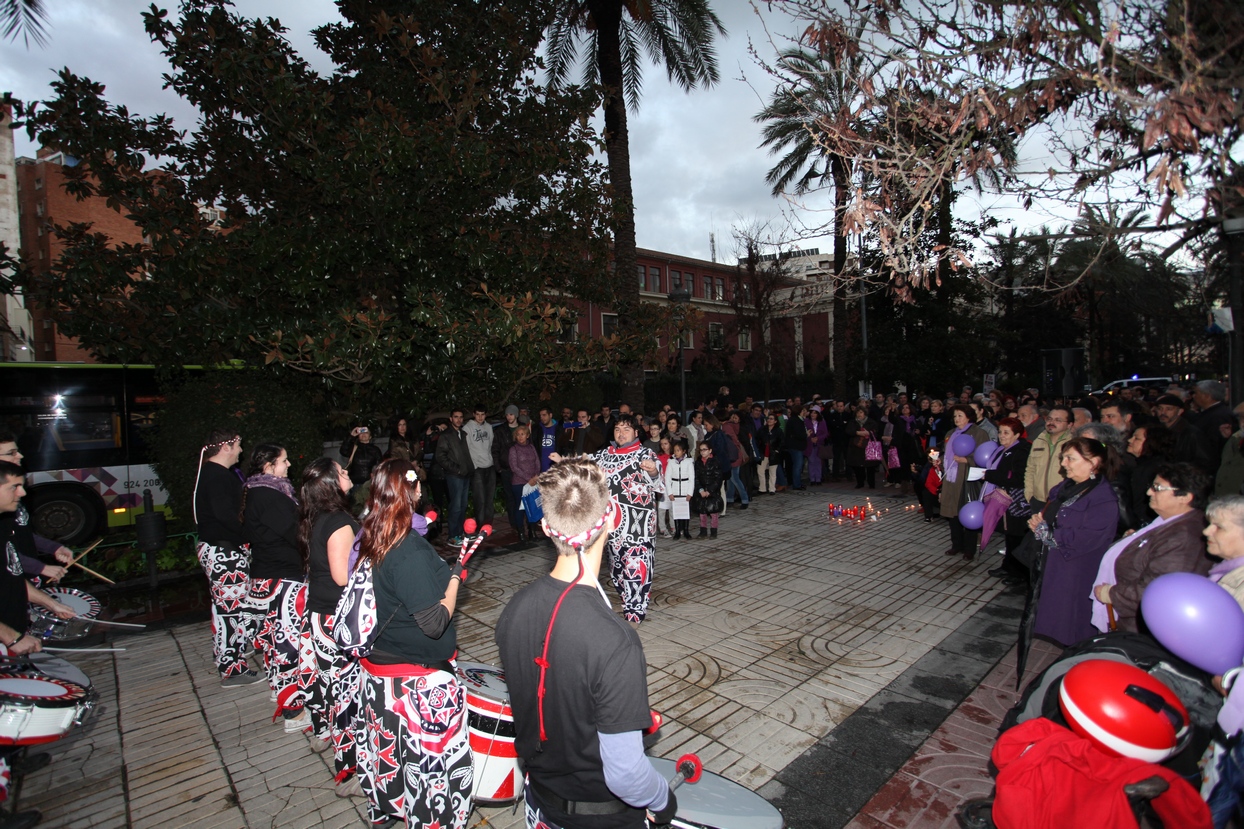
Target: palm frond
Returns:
[[27, 18]]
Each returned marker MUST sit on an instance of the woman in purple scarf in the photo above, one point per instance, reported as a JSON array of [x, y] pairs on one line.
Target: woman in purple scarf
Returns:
[[278, 586], [957, 472]]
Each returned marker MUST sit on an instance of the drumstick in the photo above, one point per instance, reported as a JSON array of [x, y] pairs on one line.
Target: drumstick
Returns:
[[1114, 623], [87, 550], [93, 573], [95, 621], [86, 650]]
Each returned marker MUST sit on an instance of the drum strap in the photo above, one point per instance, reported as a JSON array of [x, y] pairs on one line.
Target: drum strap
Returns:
[[577, 807]]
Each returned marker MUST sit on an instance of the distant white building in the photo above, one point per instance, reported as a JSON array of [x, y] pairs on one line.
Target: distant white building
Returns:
[[16, 337]]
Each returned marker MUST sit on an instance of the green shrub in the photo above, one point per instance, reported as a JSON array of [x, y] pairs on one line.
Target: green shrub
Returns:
[[263, 406]]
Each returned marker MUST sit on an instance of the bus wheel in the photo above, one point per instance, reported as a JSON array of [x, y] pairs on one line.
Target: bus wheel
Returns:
[[66, 515]]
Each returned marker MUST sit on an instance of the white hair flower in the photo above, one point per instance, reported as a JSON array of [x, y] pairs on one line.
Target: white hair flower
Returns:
[[411, 477]]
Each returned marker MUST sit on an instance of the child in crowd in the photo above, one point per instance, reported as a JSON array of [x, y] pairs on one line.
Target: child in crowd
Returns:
[[663, 506], [707, 500], [680, 484]]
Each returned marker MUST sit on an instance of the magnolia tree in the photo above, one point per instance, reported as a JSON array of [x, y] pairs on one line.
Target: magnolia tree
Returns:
[[410, 226]]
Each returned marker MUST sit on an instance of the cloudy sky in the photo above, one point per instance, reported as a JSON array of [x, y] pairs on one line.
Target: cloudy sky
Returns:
[[697, 165]]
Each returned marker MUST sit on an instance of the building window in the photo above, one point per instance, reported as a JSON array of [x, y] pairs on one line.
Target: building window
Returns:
[[675, 280], [708, 287], [640, 269], [608, 325], [743, 291], [721, 289], [570, 328], [745, 341], [716, 336], [688, 339], [38, 184], [654, 280]]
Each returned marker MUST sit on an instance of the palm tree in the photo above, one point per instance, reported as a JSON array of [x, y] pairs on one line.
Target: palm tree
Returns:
[[677, 33], [820, 91], [25, 18]]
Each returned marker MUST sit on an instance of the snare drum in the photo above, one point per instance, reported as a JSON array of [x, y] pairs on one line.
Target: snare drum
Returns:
[[490, 720], [717, 803], [45, 625], [38, 709]]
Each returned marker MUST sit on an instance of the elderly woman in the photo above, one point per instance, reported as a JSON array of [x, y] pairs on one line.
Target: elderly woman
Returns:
[[957, 471], [863, 430], [1225, 539], [1004, 483], [1171, 543], [1076, 527]]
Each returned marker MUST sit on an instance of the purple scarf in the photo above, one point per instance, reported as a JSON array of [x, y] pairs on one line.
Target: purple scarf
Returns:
[[281, 485], [952, 470]]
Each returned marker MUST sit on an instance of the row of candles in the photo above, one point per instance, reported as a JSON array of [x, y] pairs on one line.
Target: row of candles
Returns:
[[867, 512]]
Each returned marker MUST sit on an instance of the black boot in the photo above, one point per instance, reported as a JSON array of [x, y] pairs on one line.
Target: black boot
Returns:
[[712, 533], [703, 533]]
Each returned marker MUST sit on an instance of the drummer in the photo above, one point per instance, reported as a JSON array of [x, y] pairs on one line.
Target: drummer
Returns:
[[576, 674], [16, 538], [35, 564]]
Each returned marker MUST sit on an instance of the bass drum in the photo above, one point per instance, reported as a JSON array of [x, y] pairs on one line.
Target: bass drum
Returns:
[[714, 802]]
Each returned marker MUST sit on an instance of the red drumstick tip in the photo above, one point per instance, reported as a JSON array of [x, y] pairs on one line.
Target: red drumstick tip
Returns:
[[486, 529], [468, 526], [430, 516], [697, 768]]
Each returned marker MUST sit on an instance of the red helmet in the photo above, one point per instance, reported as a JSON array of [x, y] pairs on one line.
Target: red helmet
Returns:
[[1123, 710]]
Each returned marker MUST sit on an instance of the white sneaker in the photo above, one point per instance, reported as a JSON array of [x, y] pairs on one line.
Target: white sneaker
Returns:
[[272, 696], [298, 724], [350, 788]]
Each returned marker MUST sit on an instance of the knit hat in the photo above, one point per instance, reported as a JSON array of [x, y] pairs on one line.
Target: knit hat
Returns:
[[511, 410], [1170, 400]]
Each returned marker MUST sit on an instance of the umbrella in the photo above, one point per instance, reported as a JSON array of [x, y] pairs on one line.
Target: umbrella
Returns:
[[1037, 554], [995, 506]]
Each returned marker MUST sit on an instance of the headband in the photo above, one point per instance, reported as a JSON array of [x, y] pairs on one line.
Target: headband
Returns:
[[580, 540]]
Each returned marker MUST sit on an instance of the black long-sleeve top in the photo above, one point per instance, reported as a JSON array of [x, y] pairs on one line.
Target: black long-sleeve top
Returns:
[[218, 505]]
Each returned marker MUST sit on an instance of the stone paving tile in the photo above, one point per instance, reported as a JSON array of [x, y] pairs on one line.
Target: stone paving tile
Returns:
[[759, 645]]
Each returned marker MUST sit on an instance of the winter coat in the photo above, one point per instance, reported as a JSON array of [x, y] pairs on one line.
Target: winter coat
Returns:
[[679, 477], [524, 463], [1175, 547], [453, 455], [708, 479], [795, 435], [1085, 530], [1044, 466], [1009, 475], [953, 492], [855, 449]]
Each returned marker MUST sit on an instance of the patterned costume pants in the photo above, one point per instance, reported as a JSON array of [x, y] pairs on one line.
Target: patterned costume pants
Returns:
[[233, 620], [335, 693], [414, 761], [631, 565], [284, 637]]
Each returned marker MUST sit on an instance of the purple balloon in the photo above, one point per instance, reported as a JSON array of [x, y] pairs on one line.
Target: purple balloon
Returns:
[[1196, 620], [963, 445], [972, 515], [982, 453]]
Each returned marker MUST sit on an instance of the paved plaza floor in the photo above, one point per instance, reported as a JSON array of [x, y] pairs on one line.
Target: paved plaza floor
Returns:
[[811, 661]]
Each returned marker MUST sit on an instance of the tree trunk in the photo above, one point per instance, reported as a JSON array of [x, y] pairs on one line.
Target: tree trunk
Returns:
[[838, 170], [944, 238], [607, 15]]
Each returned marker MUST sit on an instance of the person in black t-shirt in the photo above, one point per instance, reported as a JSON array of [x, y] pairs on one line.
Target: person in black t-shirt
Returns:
[[576, 674], [223, 555], [278, 581], [414, 761]]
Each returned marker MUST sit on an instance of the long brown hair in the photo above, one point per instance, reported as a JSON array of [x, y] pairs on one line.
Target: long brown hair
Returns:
[[390, 507], [320, 494]]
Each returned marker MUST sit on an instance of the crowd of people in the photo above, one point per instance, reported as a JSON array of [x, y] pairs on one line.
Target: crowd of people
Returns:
[[1094, 498]]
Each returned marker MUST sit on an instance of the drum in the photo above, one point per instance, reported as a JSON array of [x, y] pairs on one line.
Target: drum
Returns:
[[46, 626], [38, 709], [717, 803], [490, 721]]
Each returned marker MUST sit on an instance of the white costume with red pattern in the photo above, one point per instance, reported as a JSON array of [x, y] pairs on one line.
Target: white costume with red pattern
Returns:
[[631, 557]]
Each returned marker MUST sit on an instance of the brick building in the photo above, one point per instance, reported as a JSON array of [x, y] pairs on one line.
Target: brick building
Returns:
[[43, 203], [800, 334]]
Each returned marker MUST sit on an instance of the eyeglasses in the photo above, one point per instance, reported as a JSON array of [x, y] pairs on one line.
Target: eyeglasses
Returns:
[[1056, 420], [1163, 488]]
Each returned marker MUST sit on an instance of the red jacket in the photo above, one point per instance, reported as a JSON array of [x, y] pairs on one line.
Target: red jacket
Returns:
[[1051, 778]]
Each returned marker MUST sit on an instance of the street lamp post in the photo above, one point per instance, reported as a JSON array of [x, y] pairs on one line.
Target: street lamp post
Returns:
[[682, 295], [1233, 235]]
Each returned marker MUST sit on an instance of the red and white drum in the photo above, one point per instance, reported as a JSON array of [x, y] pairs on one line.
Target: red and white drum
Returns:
[[39, 708], [47, 626], [490, 720]]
